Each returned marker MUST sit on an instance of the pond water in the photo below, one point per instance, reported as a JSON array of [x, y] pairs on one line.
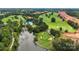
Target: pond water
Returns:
[[29, 22], [26, 42]]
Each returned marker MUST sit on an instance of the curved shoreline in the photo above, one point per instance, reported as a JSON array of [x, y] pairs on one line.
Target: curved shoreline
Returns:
[[26, 42]]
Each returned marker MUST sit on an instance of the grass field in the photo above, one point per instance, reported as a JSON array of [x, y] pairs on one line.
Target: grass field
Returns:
[[57, 24], [12, 18], [44, 40]]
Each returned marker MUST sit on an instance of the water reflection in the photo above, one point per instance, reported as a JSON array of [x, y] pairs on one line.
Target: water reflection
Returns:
[[26, 42]]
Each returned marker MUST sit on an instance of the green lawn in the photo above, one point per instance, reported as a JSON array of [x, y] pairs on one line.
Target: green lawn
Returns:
[[58, 24], [44, 40], [12, 18]]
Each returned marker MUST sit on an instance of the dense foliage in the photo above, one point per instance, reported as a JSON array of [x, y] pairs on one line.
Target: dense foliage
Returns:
[[60, 44], [47, 27], [55, 32], [9, 35], [74, 25]]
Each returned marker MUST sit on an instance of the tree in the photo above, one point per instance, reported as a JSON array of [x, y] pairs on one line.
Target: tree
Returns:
[[46, 15], [1, 37], [30, 29], [55, 33], [74, 13], [74, 25], [2, 46], [60, 44], [40, 20], [66, 30], [63, 20], [1, 22], [6, 35], [41, 27], [60, 28], [36, 30], [52, 13], [53, 19], [16, 17], [36, 21]]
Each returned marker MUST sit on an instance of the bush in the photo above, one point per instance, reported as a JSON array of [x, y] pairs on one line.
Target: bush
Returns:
[[66, 30], [60, 44], [60, 28], [52, 13], [30, 29], [1, 46], [16, 17], [55, 33], [43, 27], [36, 30], [53, 20], [40, 28], [74, 25]]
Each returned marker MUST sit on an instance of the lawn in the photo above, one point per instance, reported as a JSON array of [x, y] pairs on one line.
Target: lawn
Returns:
[[12, 18], [57, 24], [44, 40]]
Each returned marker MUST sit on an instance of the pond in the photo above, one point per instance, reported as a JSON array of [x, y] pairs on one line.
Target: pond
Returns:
[[26, 42], [29, 22]]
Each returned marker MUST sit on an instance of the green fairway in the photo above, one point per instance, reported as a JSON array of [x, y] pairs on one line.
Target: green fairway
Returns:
[[44, 40], [12, 18], [57, 24]]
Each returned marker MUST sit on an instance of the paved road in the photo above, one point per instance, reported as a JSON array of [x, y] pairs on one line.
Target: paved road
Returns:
[[26, 42]]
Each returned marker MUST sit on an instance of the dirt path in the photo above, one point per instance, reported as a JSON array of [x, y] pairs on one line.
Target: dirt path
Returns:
[[12, 43], [73, 36]]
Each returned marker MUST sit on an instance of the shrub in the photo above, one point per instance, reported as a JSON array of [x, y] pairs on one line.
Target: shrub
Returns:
[[55, 33], [74, 25], [53, 20], [60, 44], [60, 28], [66, 30]]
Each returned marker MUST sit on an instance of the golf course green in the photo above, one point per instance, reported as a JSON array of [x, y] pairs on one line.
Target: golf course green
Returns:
[[14, 18], [57, 24]]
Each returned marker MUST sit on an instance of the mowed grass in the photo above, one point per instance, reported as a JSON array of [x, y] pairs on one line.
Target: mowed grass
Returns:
[[57, 24], [12, 18], [44, 40]]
